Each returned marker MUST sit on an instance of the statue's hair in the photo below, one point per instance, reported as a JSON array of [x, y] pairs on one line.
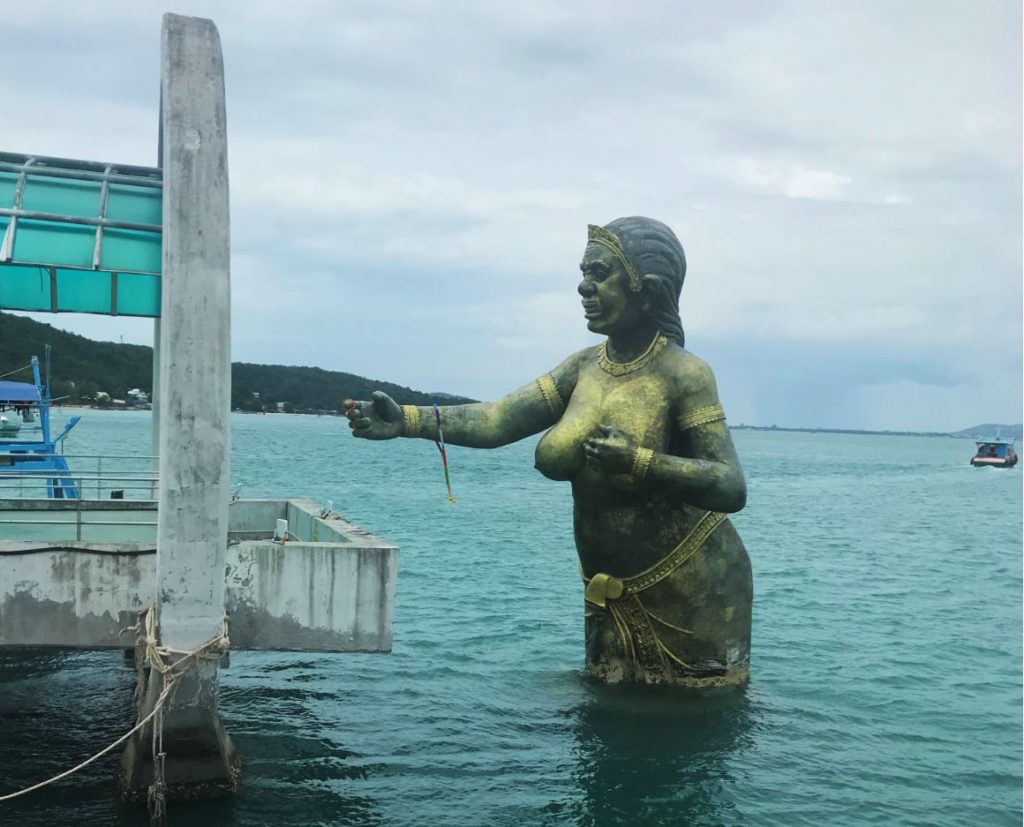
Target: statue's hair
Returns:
[[654, 250]]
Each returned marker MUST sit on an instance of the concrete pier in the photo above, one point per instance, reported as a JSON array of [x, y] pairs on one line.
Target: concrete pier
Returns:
[[329, 588], [194, 564]]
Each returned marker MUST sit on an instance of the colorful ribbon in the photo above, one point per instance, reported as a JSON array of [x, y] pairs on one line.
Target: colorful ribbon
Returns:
[[439, 442]]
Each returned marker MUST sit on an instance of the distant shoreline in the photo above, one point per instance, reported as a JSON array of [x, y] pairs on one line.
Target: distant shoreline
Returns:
[[966, 434], [861, 432]]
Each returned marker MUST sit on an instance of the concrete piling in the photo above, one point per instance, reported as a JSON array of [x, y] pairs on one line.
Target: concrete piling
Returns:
[[82, 573], [194, 428]]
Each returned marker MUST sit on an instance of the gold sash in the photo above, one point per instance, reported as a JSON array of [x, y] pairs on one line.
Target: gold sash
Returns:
[[604, 587]]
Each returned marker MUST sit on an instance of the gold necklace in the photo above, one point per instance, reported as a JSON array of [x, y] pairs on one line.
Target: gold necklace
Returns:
[[621, 368]]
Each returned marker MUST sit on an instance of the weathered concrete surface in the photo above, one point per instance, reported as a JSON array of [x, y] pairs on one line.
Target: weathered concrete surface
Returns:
[[70, 598], [154, 421], [202, 761], [255, 519], [195, 335], [287, 597], [327, 596], [194, 401]]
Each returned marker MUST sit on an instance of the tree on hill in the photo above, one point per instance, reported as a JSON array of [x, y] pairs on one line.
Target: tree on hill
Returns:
[[991, 430], [82, 367], [261, 387], [90, 365]]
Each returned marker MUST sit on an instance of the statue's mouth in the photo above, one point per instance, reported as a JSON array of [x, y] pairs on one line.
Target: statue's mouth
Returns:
[[591, 310]]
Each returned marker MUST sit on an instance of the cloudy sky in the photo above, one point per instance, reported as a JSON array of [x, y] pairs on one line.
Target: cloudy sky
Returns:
[[411, 184]]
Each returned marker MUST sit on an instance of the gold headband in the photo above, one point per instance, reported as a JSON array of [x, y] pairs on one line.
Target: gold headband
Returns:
[[610, 241]]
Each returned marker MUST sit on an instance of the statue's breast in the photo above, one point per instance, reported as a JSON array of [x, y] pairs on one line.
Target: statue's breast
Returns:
[[637, 404], [559, 454]]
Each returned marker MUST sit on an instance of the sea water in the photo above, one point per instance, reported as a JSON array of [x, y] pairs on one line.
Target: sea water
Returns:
[[886, 670]]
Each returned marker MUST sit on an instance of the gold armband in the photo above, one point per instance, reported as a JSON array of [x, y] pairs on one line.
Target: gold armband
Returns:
[[701, 416], [642, 458], [549, 390], [411, 420]]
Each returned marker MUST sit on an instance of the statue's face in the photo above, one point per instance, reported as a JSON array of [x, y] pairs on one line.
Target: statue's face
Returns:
[[609, 305]]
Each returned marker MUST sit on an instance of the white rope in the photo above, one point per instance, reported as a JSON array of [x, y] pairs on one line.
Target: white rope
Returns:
[[100, 754], [2, 376], [155, 655]]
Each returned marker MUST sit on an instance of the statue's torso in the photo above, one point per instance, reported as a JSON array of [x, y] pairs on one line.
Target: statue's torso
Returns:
[[621, 526]]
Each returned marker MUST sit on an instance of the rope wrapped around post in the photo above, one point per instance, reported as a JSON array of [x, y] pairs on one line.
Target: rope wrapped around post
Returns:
[[168, 662]]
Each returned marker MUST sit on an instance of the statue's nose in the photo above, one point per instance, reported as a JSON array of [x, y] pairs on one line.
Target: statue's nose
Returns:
[[586, 288]]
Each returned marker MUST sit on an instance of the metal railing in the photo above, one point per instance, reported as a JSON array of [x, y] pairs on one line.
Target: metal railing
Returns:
[[111, 477], [80, 522], [100, 482]]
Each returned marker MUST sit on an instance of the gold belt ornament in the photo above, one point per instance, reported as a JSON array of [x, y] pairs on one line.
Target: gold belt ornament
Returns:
[[604, 587]]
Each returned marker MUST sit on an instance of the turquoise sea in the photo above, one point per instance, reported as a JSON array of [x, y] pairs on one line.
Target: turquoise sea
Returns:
[[886, 674]]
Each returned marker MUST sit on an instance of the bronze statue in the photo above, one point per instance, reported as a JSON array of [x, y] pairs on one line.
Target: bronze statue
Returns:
[[635, 424]]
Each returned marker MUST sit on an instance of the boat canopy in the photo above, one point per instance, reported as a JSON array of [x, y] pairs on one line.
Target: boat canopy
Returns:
[[993, 448], [19, 392], [80, 236]]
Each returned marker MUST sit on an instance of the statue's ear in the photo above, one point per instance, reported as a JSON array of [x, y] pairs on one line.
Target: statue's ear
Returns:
[[650, 284]]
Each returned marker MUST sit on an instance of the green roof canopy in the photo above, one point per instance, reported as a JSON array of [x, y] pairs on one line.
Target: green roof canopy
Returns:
[[79, 237]]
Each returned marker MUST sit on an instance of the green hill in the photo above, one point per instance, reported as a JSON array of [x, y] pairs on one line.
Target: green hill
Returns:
[[989, 430], [81, 367]]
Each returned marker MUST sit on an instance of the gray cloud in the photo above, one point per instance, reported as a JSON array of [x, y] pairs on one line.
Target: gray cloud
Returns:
[[410, 184]]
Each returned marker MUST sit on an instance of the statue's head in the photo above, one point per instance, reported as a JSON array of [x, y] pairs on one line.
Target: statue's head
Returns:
[[646, 258]]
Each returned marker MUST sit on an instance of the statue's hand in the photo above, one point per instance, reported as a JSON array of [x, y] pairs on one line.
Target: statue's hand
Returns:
[[379, 419], [610, 450]]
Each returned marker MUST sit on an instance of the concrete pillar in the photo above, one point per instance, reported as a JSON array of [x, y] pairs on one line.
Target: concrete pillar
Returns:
[[154, 425], [154, 399], [195, 337], [194, 407]]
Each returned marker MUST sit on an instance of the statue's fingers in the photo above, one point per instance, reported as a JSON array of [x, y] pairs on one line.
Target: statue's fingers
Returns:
[[360, 424], [353, 409], [385, 408]]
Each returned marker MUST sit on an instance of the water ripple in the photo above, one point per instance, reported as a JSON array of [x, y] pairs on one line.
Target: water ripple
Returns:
[[886, 666]]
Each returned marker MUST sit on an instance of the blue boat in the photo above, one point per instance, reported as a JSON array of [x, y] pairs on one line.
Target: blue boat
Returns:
[[27, 450]]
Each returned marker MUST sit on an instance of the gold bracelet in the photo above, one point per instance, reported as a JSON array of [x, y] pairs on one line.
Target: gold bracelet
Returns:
[[642, 458], [411, 419]]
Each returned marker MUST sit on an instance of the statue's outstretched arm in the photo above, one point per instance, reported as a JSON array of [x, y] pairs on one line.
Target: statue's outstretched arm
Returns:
[[525, 411]]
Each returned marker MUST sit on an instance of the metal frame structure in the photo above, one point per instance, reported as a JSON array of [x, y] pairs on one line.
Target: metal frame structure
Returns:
[[332, 590], [116, 271], [38, 458]]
